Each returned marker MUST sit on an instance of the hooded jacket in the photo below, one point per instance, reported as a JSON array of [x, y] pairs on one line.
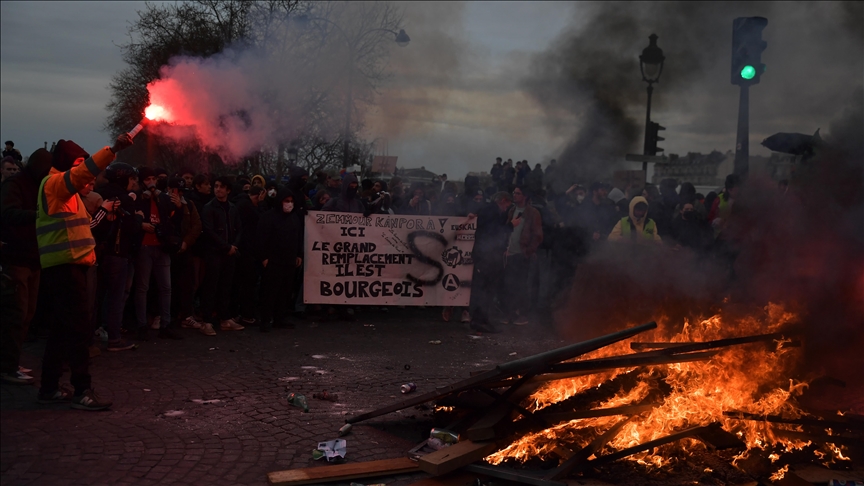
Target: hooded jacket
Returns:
[[348, 200], [18, 208], [295, 184], [280, 234], [639, 230], [122, 236]]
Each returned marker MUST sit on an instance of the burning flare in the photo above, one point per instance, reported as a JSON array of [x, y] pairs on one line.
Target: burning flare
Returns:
[[153, 113]]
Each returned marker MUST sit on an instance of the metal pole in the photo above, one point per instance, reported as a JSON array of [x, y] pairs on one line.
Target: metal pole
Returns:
[[348, 109], [645, 147], [742, 143]]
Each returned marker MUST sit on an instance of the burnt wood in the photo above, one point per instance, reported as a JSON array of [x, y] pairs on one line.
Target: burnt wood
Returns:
[[509, 369]]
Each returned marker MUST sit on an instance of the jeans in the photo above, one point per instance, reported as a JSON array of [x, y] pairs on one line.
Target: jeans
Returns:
[[19, 306], [152, 260], [71, 329], [116, 273]]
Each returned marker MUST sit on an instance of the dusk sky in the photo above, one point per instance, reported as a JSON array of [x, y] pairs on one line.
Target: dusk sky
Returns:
[[457, 115]]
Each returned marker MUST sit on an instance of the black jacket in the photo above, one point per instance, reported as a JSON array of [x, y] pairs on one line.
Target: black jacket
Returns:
[[121, 237], [280, 234], [249, 215], [18, 208], [221, 223], [491, 235]]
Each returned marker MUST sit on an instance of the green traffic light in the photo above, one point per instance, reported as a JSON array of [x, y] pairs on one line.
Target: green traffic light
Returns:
[[748, 72]]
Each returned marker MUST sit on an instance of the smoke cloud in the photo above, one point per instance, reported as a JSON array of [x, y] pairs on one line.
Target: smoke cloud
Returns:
[[589, 85], [801, 249]]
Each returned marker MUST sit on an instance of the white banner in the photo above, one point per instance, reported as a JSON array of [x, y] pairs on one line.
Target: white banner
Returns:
[[387, 259]]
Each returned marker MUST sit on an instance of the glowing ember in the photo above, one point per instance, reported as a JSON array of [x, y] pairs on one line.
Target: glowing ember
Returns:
[[747, 378]]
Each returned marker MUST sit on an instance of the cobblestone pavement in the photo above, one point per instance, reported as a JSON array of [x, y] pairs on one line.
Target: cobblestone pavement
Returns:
[[212, 410]]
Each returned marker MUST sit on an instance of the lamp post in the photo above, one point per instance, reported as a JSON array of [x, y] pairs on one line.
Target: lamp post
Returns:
[[651, 66]]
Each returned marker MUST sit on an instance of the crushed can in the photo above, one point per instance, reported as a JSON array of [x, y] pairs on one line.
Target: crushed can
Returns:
[[408, 388], [298, 401], [345, 430]]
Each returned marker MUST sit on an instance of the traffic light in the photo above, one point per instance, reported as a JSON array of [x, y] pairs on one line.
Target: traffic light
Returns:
[[747, 47], [652, 137]]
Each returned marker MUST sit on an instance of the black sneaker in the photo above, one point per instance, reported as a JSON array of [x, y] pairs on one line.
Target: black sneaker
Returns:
[[89, 401], [58, 396], [17, 378], [166, 333]]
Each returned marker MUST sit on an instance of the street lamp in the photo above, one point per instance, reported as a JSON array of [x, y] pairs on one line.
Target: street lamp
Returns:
[[651, 65]]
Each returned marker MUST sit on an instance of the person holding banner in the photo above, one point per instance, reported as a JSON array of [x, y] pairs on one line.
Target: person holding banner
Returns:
[[490, 245], [280, 236]]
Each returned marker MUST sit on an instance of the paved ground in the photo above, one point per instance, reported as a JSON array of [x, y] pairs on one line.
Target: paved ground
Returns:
[[212, 410], [158, 432]]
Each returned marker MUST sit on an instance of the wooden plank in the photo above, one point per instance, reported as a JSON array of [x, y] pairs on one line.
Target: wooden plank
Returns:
[[509, 369], [640, 448], [342, 472], [580, 457], [578, 368], [824, 424], [558, 417], [717, 438], [456, 456]]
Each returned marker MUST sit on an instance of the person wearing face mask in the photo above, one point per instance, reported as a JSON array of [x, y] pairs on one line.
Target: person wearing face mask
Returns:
[[637, 228], [690, 229], [270, 191], [280, 240]]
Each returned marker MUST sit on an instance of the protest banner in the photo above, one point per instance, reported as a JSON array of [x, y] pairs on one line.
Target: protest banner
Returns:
[[384, 259]]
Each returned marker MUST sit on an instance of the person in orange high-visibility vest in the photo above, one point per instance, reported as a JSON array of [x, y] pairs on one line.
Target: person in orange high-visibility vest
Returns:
[[66, 251]]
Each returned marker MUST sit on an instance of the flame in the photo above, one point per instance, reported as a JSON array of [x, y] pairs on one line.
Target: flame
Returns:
[[777, 476], [157, 113], [747, 378]]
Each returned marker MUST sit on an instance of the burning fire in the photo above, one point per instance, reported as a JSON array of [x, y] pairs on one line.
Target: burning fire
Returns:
[[745, 378]]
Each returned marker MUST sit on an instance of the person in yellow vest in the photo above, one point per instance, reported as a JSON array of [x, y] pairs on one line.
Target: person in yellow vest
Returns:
[[637, 227], [66, 252], [721, 209]]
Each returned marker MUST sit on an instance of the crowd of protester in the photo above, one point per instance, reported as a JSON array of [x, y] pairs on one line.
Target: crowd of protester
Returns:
[[123, 254]]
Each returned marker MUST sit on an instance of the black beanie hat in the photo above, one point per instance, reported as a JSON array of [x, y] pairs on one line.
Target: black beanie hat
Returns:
[[66, 153]]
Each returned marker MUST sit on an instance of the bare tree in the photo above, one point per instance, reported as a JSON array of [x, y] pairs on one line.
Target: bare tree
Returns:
[[342, 46]]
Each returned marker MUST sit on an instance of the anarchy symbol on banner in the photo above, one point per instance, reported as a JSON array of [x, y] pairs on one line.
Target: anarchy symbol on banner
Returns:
[[450, 282]]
